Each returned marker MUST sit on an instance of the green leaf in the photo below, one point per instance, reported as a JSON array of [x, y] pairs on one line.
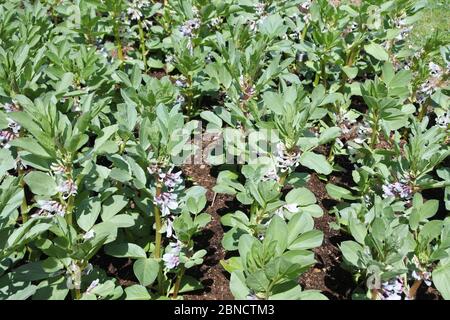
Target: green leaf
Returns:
[[441, 280], [107, 132], [112, 206], [308, 240], [376, 51], [30, 144], [188, 284], [351, 251], [277, 231], [237, 285], [428, 209], [125, 250], [137, 292], [257, 281], [301, 196], [299, 223], [357, 229], [316, 162], [7, 162], [87, 213], [146, 270], [339, 193], [40, 183]]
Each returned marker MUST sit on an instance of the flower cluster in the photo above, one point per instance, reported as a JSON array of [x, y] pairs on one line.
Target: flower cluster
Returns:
[[286, 160], [89, 235], [420, 273], [345, 121], [260, 12], [135, 11], [189, 27], [397, 189], [247, 89], [167, 201], [405, 30], [67, 188], [427, 88], [50, 208], [94, 284], [13, 130], [172, 258], [170, 180], [392, 289], [304, 8], [292, 207]]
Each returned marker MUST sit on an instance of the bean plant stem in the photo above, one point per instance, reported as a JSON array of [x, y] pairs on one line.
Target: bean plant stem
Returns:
[[158, 240], [158, 237], [176, 288], [423, 111], [117, 36], [142, 43], [373, 139], [77, 294], [69, 212]]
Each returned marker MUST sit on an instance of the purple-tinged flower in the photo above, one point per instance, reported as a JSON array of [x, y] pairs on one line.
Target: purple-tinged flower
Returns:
[[392, 289], [6, 136], [397, 189], [10, 107], [175, 247], [67, 188], [167, 201], [171, 260], [94, 284], [89, 235], [271, 175], [50, 208], [189, 27], [14, 126], [58, 168], [304, 7], [420, 273], [171, 180], [435, 70]]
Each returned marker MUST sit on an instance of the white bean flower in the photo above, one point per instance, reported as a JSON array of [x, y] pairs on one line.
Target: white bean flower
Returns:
[[167, 201], [171, 260], [94, 284]]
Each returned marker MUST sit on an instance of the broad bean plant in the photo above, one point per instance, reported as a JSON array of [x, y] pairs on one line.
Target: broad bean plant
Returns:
[[105, 103]]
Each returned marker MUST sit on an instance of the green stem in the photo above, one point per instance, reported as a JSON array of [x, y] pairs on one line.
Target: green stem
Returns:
[[158, 241], [24, 204], [317, 79], [374, 136], [117, 37], [69, 212], [323, 73], [176, 288], [142, 43], [423, 111], [77, 294], [305, 29]]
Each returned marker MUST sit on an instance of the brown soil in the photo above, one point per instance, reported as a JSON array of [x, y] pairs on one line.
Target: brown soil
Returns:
[[211, 273]]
